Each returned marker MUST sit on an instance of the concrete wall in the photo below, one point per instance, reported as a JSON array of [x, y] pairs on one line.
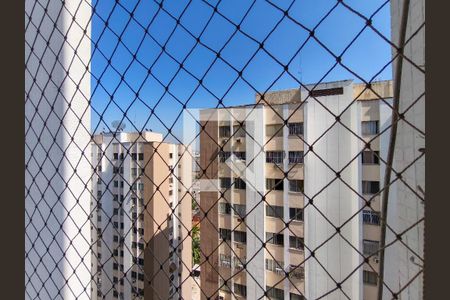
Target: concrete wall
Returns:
[[59, 237]]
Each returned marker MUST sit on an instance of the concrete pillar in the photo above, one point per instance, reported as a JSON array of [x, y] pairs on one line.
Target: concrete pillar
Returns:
[[57, 151], [335, 258]]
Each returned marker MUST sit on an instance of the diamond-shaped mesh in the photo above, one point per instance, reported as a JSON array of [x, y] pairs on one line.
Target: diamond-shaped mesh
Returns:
[[174, 149]]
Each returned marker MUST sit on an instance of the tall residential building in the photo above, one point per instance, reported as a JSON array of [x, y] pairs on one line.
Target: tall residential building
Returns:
[[141, 215], [292, 210]]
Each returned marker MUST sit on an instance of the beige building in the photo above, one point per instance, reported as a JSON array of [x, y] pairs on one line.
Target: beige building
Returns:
[[259, 220], [142, 217]]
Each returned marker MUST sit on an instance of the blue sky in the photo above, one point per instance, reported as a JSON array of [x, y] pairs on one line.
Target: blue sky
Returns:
[[366, 57]]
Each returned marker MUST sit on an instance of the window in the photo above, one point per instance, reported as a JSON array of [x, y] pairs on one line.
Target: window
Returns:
[[225, 234], [293, 296], [99, 180], [99, 194], [274, 130], [296, 272], [275, 238], [116, 238], [370, 277], [370, 187], [239, 209], [274, 184], [115, 156], [225, 182], [274, 293], [141, 277], [295, 157], [371, 217], [275, 157], [224, 155], [133, 171], [224, 131], [140, 186], [241, 155], [296, 242], [370, 247], [296, 186], [240, 290], [224, 208], [225, 260], [141, 156], [275, 266], [240, 236], [115, 211], [274, 211], [370, 157], [239, 184], [116, 183], [295, 128], [115, 266], [327, 92], [296, 213], [122, 156], [369, 127]]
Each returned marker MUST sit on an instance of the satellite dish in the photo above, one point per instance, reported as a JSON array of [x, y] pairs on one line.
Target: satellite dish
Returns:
[[118, 125]]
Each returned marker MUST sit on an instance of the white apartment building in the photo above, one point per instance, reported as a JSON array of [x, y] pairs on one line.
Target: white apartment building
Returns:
[[260, 213], [141, 213]]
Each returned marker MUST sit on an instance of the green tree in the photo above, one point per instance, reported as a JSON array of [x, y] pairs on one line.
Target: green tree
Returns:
[[196, 244]]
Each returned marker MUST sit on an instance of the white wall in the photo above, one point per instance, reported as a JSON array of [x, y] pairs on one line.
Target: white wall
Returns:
[[66, 248], [409, 207], [337, 202]]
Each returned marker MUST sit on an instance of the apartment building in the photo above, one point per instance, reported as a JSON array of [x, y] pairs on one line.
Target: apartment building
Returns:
[[141, 215], [290, 194]]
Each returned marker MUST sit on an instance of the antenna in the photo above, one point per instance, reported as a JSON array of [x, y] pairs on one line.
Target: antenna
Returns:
[[118, 125]]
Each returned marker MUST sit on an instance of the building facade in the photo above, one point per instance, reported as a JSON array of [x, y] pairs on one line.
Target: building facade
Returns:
[[289, 193], [141, 216]]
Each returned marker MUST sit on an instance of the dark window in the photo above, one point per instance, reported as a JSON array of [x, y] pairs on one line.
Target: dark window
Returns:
[[141, 156], [327, 92], [274, 238], [141, 277], [224, 131], [275, 157], [240, 236], [295, 128], [370, 157], [225, 182], [293, 296], [295, 157], [224, 155], [296, 186], [239, 209], [370, 247], [241, 155], [133, 156], [369, 127], [370, 277], [296, 213], [296, 242], [240, 289], [274, 293], [370, 187], [116, 238], [274, 184], [115, 156], [274, 211], [116, 184], [239, 184], [371, 217], [225, 234], [224, 208]]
